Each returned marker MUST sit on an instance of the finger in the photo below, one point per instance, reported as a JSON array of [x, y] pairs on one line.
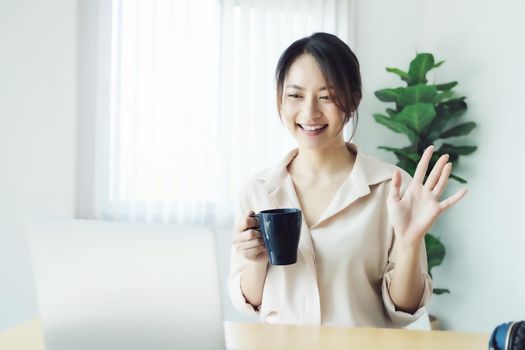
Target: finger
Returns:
[[255, 253], [254, 243], [395, 186], [245, 236], [248, 222], [436, 172], [450, 201], [422, 166], [443, 180]]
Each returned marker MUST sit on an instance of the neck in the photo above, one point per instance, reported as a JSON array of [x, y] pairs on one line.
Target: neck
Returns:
[[325, 162]]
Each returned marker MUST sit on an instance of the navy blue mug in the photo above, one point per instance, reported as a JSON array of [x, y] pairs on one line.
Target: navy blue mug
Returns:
[[281, 230]]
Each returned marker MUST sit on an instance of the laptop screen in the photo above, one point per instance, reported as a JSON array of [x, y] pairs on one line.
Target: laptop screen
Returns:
[[108, 285]]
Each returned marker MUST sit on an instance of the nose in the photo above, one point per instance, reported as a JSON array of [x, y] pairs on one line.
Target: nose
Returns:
[[310, 110]]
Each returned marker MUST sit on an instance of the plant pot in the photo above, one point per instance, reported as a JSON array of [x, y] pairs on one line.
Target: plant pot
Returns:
[[434, 323]]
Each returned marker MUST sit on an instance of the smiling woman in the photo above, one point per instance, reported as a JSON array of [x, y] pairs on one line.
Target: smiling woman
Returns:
[[361, 258]]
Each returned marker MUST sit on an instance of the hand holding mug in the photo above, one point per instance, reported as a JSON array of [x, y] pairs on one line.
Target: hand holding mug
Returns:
[[248, 241]]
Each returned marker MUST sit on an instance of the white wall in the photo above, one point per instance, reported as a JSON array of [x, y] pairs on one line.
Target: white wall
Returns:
[[482, 44], [37, 135]]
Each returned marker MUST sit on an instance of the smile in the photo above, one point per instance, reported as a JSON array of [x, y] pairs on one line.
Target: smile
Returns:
[[313, 127], [312, 130]]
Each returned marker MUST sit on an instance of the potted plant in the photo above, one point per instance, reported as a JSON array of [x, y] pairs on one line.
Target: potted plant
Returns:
[[422, 111]]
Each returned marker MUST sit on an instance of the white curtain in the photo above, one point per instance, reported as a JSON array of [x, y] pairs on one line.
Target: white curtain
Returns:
[[178, 105]]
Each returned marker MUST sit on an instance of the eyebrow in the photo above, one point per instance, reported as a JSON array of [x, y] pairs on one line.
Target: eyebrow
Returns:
[[301, 88]]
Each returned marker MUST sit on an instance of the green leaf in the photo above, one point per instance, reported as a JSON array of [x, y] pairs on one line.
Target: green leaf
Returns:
[[406, 152], [419, 68], [439, 291], [446, 86], [458, 179], [442, 96], [416, 93], [388, 95], [438, 64], [435, 251], [458, 150], [434, 129], [445, 112], [417, 116], [406, 164], [403, 75], [391, 112], [396, 126], [460, 130], [452, 108]]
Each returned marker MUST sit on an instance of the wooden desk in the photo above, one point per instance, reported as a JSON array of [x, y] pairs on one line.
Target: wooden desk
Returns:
[[253, 336]]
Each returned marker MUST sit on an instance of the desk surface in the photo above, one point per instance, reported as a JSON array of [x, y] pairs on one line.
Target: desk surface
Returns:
[[253, 336]]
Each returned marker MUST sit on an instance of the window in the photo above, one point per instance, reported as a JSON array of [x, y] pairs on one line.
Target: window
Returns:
[[184, 100]]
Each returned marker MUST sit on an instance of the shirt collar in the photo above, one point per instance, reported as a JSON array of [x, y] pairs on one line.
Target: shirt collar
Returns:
[[366, 171]]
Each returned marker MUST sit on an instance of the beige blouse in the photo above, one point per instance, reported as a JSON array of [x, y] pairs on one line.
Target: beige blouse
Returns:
[[345, 261]]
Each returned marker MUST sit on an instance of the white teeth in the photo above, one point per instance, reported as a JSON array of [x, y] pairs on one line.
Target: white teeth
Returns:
[[312, 127]]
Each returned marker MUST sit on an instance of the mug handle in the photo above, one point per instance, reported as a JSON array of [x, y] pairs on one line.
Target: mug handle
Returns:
[[255, 216]]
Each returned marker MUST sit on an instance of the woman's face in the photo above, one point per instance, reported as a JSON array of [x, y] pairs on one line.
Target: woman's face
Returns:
[[308, 112]]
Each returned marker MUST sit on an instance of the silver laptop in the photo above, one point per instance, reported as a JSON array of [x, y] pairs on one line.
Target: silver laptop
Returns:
[[106, 285]]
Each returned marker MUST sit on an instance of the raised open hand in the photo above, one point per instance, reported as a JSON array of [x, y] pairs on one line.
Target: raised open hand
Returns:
[[413, 214]]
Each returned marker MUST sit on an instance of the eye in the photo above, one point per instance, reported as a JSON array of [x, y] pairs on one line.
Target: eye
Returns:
[[294, 96]]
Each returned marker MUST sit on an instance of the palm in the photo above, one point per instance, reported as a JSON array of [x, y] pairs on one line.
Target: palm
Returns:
[[413, 214]]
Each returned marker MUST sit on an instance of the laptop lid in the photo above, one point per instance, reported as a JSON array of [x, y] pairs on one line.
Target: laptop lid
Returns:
[[107, 285]]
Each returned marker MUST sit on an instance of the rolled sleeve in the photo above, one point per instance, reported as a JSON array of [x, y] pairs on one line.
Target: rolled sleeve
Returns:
[[234, 286], [401, 318], [237, 265]]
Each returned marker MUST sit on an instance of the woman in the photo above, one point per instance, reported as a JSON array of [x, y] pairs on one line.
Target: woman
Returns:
[[362, 259]]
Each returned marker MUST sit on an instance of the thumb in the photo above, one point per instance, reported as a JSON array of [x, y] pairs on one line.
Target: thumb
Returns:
[[395, 186]]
